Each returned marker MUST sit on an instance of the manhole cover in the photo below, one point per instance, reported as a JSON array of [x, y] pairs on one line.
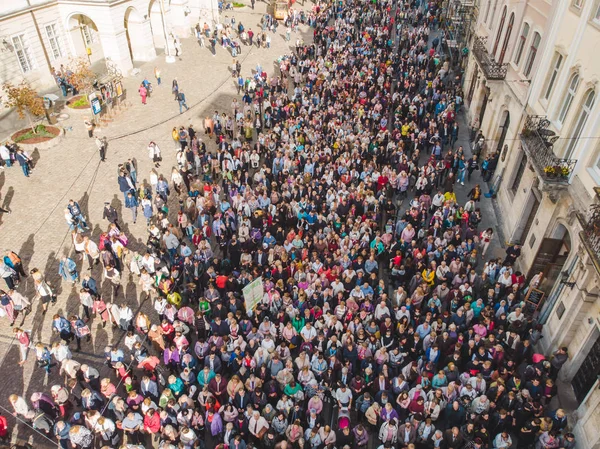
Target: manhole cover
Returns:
[[62, 117]]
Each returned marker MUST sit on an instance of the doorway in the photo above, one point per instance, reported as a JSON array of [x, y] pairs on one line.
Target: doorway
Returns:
[[551, 257], [484, 103], [504, 127]]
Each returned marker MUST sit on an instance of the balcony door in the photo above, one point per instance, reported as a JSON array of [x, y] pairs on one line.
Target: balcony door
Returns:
[[588, 372], [551, 257], [484, 103]]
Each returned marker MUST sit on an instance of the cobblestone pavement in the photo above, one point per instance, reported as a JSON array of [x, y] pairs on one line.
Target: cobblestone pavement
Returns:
[[36, 229]]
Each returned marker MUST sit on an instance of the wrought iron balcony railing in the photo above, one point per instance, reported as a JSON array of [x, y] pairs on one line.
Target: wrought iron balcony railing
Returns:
[[590, 236], [538, 142], [491, 69]]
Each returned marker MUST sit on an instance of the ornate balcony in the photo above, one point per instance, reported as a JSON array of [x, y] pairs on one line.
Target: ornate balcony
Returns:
[[491, 69], [590, 236], [538, 143]]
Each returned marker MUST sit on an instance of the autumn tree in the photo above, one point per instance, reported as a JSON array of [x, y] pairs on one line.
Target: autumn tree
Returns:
[[81, 76], [25, 100]]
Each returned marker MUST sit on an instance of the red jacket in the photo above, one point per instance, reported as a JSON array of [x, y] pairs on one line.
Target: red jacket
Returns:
[[152, 423]]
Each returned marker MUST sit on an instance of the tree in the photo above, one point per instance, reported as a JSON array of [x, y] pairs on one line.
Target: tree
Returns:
[[80, 75], [25, 100]]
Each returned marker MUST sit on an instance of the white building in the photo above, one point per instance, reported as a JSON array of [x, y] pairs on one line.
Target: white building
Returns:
[[36, 35], [534, 85]]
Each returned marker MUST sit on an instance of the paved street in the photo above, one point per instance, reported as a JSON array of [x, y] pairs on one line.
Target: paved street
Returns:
[[36, 229]]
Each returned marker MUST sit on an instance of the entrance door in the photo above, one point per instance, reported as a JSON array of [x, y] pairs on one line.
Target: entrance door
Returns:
[[484, 106], [588, 373], [547, 257], [472, 86], [503, 135]]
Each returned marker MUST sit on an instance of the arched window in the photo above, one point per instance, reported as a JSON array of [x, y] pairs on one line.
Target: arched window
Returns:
[[569, 95], [521, 44], [487, 11], [511, 21], [535, 43], [586, 109], [499, 33]]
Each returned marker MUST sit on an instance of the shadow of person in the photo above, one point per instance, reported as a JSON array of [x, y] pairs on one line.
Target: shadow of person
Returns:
[[117, 203], [35, 156], [84, 206], [10, 193]]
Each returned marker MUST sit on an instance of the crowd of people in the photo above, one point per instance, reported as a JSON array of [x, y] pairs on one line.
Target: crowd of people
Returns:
[[381, 324]]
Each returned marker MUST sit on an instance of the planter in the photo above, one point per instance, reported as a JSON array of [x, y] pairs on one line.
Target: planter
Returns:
[[76, 102], [39, 142], [82, 109]]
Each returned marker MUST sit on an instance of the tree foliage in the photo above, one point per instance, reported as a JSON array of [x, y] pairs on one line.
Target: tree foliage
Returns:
[[80, 75], [25, 100]]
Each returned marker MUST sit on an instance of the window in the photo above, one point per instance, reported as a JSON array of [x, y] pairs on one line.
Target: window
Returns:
[[558, 59], [532, 53], [494, 9], [521, 44], [596, 17], [577, 4], [89, 35], [23, 53], [511, 21], [487, 11], [499, 33], [55, 41], [585, 112], [560, 310], [568, 100], [588, 372], [519, 174]]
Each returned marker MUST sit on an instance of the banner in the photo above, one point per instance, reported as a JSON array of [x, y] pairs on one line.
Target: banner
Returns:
[[253, 294]]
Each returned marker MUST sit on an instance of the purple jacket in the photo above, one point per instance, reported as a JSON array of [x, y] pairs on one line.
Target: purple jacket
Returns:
[[216, 426]]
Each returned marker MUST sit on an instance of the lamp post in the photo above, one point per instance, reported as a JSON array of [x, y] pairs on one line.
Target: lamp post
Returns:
[[169, 58]]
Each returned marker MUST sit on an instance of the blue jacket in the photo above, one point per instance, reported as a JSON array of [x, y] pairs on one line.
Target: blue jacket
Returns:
[[131, 201], [124, 185], [90, 284], [61, 324]]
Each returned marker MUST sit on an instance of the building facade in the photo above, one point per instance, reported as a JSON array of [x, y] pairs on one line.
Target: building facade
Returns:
[[532, 84], [36, 35]]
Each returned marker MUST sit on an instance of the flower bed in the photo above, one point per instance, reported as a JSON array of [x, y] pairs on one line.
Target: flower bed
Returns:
[[43, 134], [78, 102]]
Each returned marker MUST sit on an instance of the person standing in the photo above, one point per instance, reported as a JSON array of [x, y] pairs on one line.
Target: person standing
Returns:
[[110, 213], [9, 275], [154, 153], [5, 155], [101, 144], [24, 341], [175, 88], [143, 93], [157, 75], [131, 203], [89, 125], [67, 269], [24, 160], [558, 359], [181, 100], [43, 290], [472, 165], [7, 305], [13, 260]]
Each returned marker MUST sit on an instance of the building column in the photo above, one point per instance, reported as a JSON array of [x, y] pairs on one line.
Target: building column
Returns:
[[141, 40], [179, 19], [115, 46]]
